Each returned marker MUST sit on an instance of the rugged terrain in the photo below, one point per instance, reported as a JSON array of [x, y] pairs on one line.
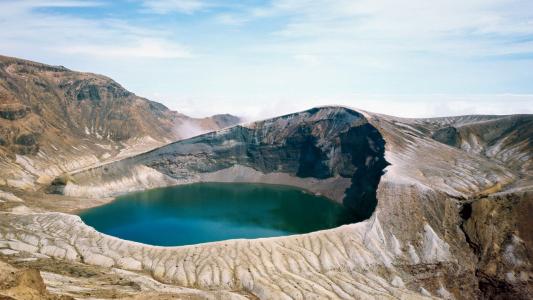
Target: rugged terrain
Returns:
[[54, 120], [444, 206]]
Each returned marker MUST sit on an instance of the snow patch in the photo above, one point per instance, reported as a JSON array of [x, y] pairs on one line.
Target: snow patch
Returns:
[[509, 252], [397, 282], [412, 254], [434, 249], [443, 292]]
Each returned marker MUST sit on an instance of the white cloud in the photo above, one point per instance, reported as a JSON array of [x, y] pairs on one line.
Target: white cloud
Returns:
[[308, 59], [406, 19], [450, 27], [40, 33], [143, 48], [231, 19], [400, 105], [169, 6], [58, 3]]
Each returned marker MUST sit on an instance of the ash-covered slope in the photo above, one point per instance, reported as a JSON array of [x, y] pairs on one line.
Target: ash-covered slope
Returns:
[[448, 223], [507, 139], [54, 120]]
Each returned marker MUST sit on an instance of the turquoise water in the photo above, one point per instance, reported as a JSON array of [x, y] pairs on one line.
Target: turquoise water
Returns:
[[207, 212]]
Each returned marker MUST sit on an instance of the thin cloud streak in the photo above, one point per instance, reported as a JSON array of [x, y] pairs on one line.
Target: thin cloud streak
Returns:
[[32, 4], [169, 6], [145, 48], [445, 27]]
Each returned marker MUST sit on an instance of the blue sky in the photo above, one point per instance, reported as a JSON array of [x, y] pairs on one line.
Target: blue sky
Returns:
[[262, 58]]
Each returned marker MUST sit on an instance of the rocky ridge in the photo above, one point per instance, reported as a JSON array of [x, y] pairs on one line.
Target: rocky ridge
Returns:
[[54, 120]]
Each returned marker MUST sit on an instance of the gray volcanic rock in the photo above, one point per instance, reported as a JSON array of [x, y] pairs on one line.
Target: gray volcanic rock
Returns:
[[13, 111], [448, 136]]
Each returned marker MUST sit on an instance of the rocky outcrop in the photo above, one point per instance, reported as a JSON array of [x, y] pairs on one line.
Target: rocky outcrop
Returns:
[[499, 232], [225, 120], [13, 111], [24, 284]]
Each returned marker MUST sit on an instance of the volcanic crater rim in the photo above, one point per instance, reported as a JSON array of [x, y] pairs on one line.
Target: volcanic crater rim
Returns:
[[331, 151]]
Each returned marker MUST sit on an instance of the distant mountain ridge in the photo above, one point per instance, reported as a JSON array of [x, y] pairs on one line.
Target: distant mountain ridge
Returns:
[[53, 111]]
